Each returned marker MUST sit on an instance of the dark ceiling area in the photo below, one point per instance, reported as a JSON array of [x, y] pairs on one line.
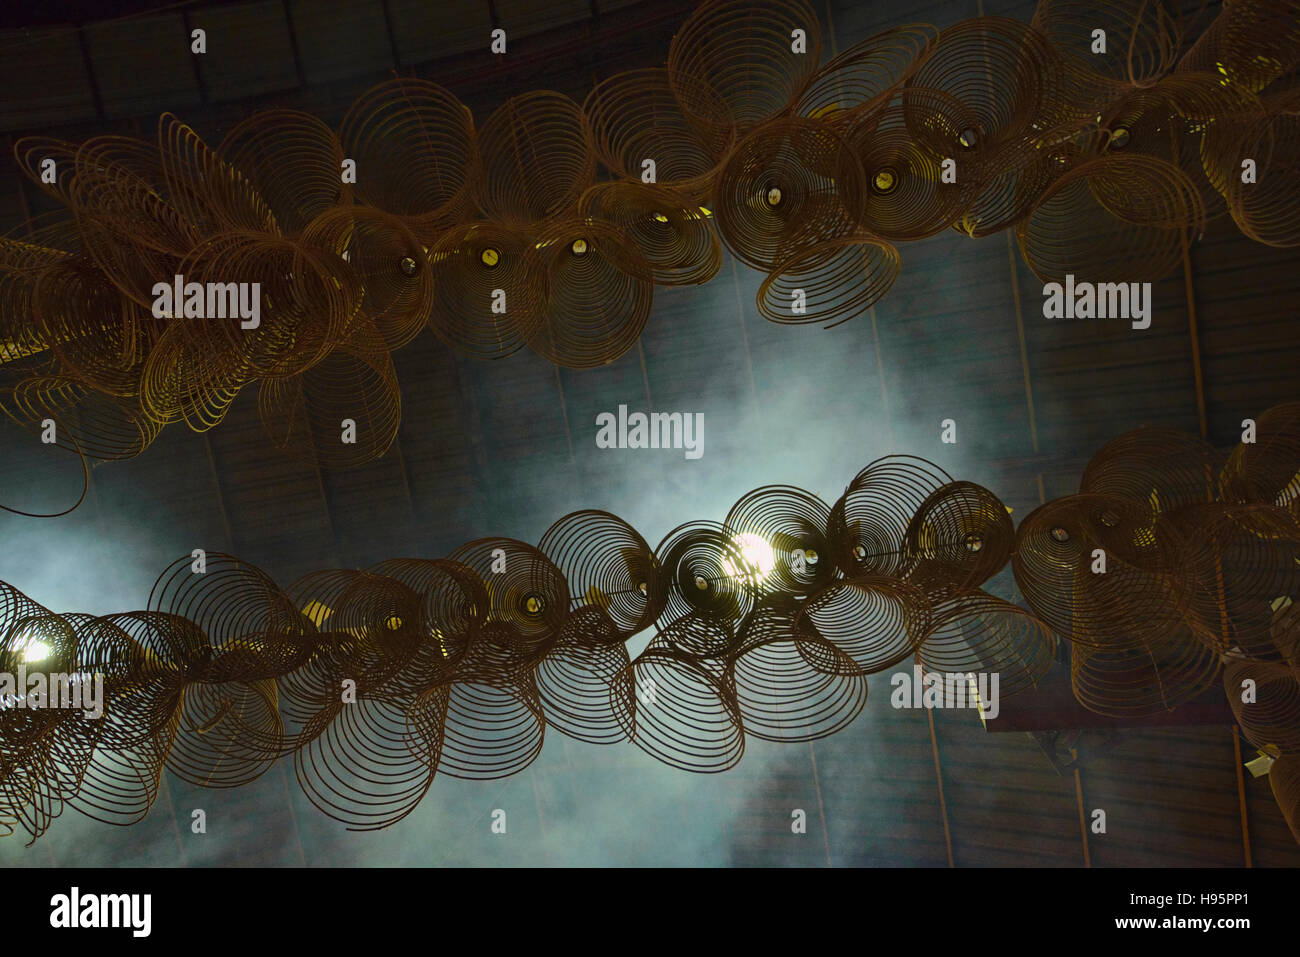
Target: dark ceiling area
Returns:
[[505, 447]]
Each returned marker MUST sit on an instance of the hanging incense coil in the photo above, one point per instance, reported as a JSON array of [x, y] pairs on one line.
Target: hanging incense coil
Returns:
[[85, 421], [1284, 779], [864, 78], [600, 290], [1131, 208], [344, 411], [307, 299], [212, 746], [387, 263], [1171, 121], [1265, 470], [361, 771], [1163, 468], [678, 712], [635, 116], [1264, 207], [707, 573], [1249, 44], [493, 728], [672, 233], [1142, 41], [1265, 699], [131, 232], [529, 594], [1007, 191], [792, 687], [780, 531], [574, 680], [293, 161], [489, 289], [899, 150], [978, 633], [1237, 568], [876, 621], [609, 566], [830, 282], [536, 157], [710, 640], [789, 185], [94, 333], [1156, 674], [1009, 77], [204, 189], [743, 53], [868, 524], [959, 538], [1084, 566], [415, 151]]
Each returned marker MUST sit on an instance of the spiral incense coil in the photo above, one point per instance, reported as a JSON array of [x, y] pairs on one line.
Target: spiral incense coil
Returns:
[[830, 282], [1081, 563], [1171, 121], [868, 524], [1153, 676], [415, 151], [865, 76], [906, 196], [876, 621], [744, 53], [212, 746], [1250, 44], [134, 235], [975, 632], [388, 262], [1131, 208], [536, 158], [1237, 568], [1007, 192], [1265, 470], [31, 152], [469, 265], [781, 533], [609, 566], [293, 161], [528, 593], [1011, 79], [575, 678], [1264, 209], [959, 538], [1143, 40], [789, 185], [95, 334], [1265, 699], [678, 712], [206, 190], [673, 235], [1284, 779], [85, 421], [308, 300], [600, 293], [793, 687], [707, 572], [635, 116], [1164, 469], [344, 411]]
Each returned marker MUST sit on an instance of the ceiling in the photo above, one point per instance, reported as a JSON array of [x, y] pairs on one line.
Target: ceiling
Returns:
[[504, 448]]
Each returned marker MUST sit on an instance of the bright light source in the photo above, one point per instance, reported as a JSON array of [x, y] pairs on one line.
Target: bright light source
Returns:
[[31, 649], [757, 554]]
